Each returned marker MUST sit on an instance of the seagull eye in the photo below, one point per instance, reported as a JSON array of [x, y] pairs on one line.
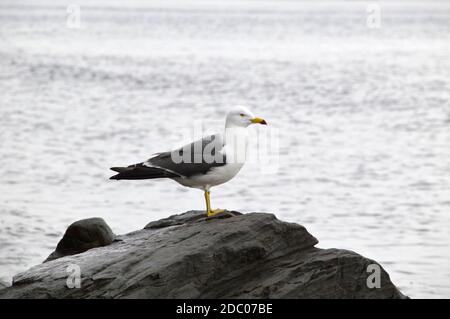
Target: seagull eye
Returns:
[[242, 114]]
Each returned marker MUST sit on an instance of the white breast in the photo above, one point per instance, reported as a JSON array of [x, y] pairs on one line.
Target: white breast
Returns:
[[218, 175]]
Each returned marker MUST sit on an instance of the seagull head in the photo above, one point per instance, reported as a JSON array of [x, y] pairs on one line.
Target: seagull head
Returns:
[[240, 116]]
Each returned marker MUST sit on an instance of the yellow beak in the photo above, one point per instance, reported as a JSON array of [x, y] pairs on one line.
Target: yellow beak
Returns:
[[258, 120]]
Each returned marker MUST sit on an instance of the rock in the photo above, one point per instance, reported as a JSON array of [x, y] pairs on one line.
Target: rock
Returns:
[[81, 236], [189, 256], [188, 217], [3, 285]]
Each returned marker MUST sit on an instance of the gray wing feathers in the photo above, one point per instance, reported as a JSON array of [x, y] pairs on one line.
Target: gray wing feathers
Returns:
[[192, 159], [196, 158]]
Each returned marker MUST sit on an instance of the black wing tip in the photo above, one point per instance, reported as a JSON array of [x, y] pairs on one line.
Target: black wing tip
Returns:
[[118, 170], [139, 171]]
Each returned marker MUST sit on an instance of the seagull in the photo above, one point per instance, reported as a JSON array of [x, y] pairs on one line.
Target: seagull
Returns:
[[205, 163]]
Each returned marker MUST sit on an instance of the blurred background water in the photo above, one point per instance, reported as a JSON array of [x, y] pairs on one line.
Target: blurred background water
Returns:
[[362, 113]]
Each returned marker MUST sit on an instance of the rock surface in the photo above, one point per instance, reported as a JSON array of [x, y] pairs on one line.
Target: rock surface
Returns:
[[189, 256], [81, 236], [3, 285]]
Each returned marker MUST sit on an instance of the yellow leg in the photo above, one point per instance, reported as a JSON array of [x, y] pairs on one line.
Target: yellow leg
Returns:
[[211, 212], [208, 203]]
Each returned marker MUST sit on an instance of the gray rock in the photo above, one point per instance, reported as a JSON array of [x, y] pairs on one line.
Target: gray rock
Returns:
[[189, 256], [3, 285], [81, 236], [188, 217]]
